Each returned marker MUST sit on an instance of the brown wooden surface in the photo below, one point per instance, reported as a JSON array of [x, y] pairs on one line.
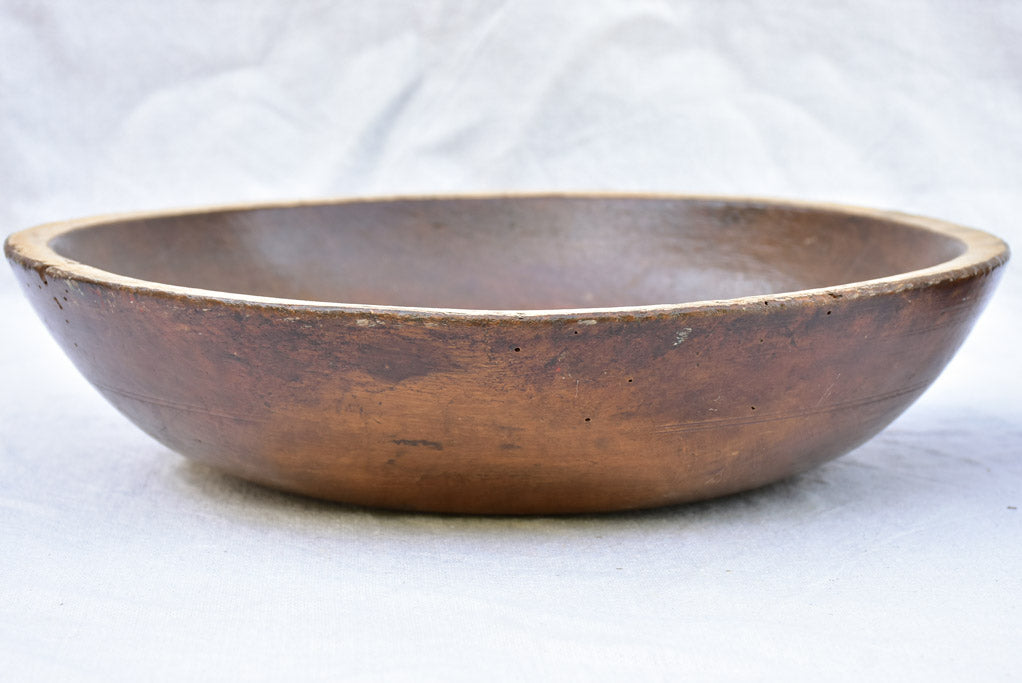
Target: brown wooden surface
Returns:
[[536, 397]]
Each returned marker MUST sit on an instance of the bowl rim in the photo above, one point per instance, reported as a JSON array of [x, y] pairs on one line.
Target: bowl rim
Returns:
[[983, 253]]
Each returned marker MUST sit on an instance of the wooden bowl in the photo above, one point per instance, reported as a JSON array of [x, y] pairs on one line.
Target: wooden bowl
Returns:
[[510, 354]]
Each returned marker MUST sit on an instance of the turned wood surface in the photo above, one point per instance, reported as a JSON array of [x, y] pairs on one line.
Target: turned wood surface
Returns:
[[533, 354]]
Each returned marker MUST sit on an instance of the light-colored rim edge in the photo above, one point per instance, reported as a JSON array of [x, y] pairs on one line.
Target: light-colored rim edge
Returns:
[[983, 253]]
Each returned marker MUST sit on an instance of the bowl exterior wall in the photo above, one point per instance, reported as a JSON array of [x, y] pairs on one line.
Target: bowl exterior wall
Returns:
[[551, 414]]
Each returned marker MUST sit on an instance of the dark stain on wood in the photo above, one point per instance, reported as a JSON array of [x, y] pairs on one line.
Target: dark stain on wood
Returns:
[[436, 446]]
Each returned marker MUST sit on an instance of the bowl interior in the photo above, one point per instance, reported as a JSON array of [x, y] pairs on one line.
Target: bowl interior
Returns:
[[511, 253]]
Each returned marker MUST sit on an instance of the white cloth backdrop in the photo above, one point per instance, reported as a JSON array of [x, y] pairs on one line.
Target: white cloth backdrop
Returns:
[[120, 560]]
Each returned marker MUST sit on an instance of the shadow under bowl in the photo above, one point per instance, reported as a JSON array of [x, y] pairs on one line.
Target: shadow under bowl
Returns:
[[510, 354]]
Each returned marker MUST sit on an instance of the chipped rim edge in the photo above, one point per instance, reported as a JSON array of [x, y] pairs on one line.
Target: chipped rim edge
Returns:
[[983, 253]]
